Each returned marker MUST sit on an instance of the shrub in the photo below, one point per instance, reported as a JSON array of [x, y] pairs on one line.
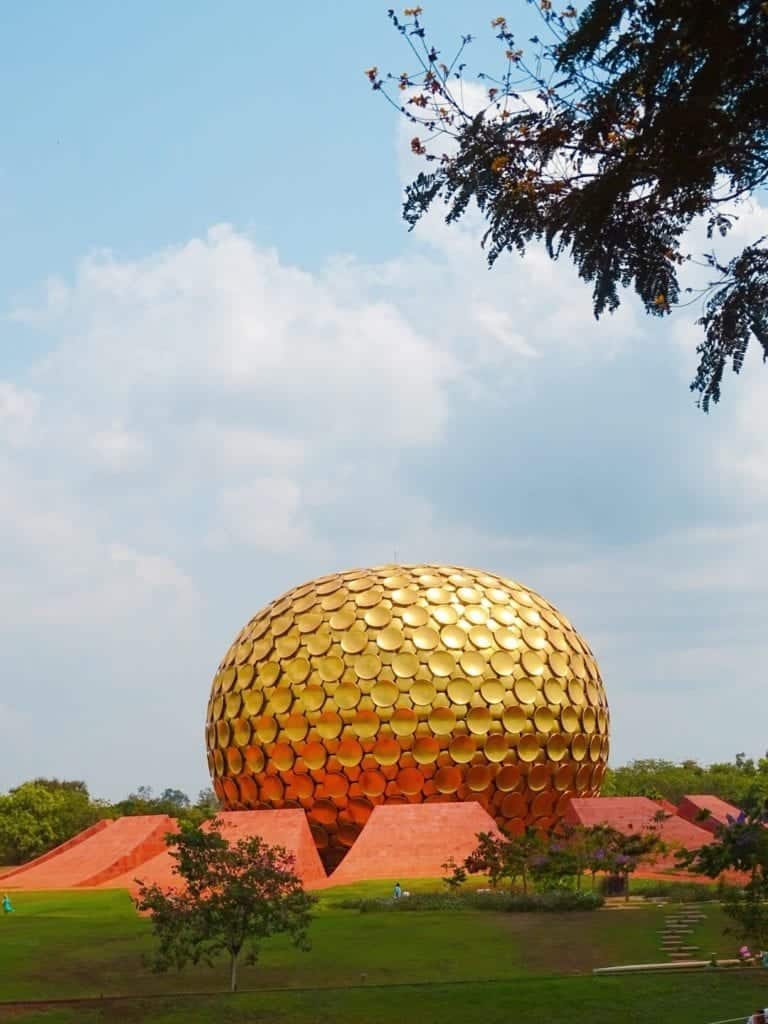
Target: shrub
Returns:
[[554, 901]]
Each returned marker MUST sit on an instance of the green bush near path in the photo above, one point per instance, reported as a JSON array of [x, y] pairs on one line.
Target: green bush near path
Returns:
[[500, 901]]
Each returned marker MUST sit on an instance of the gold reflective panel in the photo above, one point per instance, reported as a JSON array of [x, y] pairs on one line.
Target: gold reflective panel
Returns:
[[407, 683]]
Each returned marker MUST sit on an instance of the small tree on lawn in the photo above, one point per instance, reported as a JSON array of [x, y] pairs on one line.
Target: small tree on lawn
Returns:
[[629, 850], [455, 875], [231, 897], [505, 856]]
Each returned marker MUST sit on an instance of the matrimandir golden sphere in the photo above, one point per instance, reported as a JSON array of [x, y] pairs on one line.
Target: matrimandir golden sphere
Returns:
[[403, 684]]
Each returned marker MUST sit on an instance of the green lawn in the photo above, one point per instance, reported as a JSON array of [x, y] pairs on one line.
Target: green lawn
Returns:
[[448, 966]]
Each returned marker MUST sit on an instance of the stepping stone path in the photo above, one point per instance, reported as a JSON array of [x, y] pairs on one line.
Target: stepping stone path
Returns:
[[675, 935]]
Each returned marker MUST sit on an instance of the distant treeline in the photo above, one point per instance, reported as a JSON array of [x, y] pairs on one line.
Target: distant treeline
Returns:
[[41, 813], [739, 782]]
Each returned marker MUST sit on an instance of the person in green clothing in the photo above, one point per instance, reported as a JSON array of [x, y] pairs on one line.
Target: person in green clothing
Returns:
[[7, 905]]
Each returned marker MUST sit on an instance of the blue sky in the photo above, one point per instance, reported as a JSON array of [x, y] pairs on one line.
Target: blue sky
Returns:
[[226, 367]]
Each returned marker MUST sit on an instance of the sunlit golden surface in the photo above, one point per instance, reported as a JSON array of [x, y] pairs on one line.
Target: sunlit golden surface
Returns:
[[407, 683]]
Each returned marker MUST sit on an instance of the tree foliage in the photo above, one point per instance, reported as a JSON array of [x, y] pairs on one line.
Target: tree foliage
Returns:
[[738, 782], [559, 860], [606, 142], [740, 845], [233, 897], [42, 813], [38, 815]]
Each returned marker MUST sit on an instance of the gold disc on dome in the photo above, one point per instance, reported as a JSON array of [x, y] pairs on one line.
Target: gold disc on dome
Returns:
[[252, 701], [514, 718], [532, 663], [342, 619], [569, 718], [479, 777], [493, 691], [378, 617], [481, 637], [366, 724], [441, 663], [442, 721], [329, 725], [503, 663], [553, 691], [332, 602], [447, 779], [472, 663], [534, 637], [314, 755], [384, 694], [445, 615], [476, 615], [496, 748], [479, 721], [367, 666], [281, 699], [403, 722], [579, 747], [347, 696], [313, 697], [390, 639], [405, 666], [319, 643], [297, 670], [557, 747], [507, 639], [538, 777], [415, 616], [528, 748], [386, 750], [422, 692], [354, 641], [410, 781], [460, 691], [544, 720], [425, 638], [508, 778], [241, 731], [462, 749], [425, 749], [525, 691], [349, 753], [453, 637]]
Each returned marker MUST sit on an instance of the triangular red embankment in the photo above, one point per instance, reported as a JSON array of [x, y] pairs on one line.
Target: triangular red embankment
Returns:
[[628, 814], [706, 811], [61, 848], [89, 854], [288, 828], [413, 841]]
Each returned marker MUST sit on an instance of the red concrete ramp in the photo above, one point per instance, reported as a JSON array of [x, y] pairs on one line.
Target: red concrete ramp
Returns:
[[634, 814], [288, 828], [413, 841], [706, 811], [90, 854]]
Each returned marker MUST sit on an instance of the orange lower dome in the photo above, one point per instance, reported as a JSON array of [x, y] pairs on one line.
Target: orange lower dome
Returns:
[[404, 684]]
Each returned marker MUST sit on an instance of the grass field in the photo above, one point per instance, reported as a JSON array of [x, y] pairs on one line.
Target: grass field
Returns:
[[431, 966]]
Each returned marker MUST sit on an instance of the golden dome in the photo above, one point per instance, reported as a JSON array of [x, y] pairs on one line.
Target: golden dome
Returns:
[[407, 683]]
